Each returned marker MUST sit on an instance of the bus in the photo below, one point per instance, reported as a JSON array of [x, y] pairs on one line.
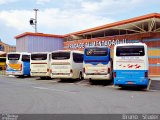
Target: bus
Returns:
[[2, 63], [18, 64], [66, 64], [97, 63], [130, 65], [40, 64]]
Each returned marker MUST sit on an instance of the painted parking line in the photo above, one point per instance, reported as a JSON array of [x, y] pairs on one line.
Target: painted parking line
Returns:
[[153, 90], [57, 90], [9, 76]]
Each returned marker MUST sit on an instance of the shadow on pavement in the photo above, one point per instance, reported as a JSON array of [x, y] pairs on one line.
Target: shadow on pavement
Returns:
[[155, 85], [43, 78], [133, 88], [22, 77], [101, 82]]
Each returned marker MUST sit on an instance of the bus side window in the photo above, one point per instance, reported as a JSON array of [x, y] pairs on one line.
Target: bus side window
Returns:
[[26, 58], [78, 58]]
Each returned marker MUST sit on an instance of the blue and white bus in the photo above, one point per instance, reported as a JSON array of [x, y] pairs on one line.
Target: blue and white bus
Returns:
[[130, 65], [97, 63], [18, 64]]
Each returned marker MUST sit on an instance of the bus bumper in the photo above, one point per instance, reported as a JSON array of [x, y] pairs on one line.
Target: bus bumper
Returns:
[[40, 74], [131, 78], [62, 76], [131, 82], [14, 73], [98, 77]]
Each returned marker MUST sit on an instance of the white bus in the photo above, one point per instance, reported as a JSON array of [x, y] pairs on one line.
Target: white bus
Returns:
[[18, 63], [66, 64], [130, 65], [97, 63], [40, 64]]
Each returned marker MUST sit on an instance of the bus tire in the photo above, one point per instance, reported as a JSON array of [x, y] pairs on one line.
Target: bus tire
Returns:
[[42, 78], [20, 76], [48, 78]]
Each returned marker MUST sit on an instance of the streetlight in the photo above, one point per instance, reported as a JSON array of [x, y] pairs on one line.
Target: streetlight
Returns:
[[33, 21]]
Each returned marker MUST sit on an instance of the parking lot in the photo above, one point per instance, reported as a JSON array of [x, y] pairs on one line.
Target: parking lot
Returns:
[[33, 95]]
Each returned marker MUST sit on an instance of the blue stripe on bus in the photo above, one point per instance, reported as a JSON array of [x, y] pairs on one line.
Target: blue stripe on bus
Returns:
[[88, 61], [95, 62], [26, 68]]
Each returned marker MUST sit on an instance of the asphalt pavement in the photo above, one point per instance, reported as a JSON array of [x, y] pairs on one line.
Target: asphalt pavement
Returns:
[[35, 96]]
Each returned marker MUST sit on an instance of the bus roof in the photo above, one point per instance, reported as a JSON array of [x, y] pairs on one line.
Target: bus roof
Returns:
[[77, 51], [41, 53], [24, 53]]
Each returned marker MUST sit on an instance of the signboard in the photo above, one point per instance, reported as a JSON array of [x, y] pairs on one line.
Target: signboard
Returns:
[[83, 43]]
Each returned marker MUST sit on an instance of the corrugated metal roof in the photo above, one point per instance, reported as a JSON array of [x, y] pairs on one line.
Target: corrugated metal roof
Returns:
[[38, 34], [123, 22]]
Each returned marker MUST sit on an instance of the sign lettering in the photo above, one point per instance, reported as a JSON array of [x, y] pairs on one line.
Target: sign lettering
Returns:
[[95, 43]]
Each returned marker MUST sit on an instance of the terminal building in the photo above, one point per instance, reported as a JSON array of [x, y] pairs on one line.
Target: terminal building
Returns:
[[145, 29], [5, 48]]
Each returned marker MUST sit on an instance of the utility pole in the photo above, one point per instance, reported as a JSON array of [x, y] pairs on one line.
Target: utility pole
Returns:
[[33, 21]]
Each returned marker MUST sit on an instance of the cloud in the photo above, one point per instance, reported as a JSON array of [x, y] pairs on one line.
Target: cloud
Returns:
[[112, 6], [52, 20], [6, 1], [88, 13], [16, 19], [42, 2], [69, 21]]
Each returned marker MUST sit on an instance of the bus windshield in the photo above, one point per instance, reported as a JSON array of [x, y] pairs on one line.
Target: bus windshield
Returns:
[[13, 56], [61, 55], [130, 51], [38, 56], [96, 52]]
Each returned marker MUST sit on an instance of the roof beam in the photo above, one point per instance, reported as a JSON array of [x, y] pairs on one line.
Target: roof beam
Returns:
[[157, 29], [129, 30], [152, 24], [138, 27]]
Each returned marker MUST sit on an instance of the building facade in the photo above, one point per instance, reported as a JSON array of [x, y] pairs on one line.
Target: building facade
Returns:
[[145, 29], [7, 48], [38, 42]]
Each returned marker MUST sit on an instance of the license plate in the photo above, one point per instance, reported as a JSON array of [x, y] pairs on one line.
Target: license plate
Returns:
[[130, 83], [60, 73]]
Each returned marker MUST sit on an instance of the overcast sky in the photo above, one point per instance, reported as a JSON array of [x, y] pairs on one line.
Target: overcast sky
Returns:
[[66, 16]]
